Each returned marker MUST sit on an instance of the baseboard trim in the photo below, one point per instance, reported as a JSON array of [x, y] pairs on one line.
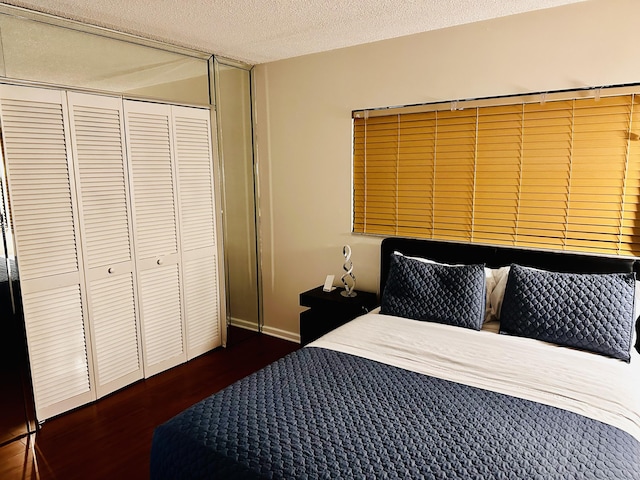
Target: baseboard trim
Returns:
[[283, 334], [247, 325]]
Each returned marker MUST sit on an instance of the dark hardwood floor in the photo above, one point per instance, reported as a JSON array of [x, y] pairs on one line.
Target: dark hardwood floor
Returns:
[[112, 437]]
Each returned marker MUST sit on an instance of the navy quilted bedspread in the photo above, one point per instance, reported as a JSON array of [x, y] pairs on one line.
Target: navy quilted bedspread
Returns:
[[323, 414]]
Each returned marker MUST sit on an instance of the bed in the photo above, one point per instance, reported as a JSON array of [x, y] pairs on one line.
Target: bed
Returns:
[[458, 394]]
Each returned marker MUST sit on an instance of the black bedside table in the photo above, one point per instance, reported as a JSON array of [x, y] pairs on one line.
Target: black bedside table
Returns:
[[329, 310]]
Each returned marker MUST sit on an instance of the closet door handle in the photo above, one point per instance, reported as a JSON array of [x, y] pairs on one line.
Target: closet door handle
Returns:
[[110, 270], [159, 261]]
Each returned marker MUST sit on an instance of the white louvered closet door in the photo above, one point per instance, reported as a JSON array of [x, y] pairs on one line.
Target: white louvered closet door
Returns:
[[97, 128], [192, 145], [149, 150], [44, 211]]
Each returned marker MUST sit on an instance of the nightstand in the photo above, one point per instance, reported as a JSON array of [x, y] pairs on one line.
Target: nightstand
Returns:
[[329, 310]]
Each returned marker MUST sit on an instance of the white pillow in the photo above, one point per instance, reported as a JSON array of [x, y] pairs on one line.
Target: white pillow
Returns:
[[489, 280], [500, 276]]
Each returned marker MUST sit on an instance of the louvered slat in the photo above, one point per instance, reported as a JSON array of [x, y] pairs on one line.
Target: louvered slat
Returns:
[[160, 295], [195, 175], [201, 305], [113, 317], [59, 367], [101, 214], [36, 150], [150, 160]]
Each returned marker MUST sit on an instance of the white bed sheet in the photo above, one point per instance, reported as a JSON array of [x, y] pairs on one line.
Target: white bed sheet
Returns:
[[592, 385]]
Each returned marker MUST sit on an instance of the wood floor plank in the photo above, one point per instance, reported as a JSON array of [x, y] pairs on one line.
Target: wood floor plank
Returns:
[[111, 438]]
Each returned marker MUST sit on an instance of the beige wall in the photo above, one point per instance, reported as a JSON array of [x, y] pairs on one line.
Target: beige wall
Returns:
[[303, 122]]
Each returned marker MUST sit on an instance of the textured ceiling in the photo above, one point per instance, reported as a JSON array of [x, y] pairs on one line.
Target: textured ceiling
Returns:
[[258, 31]]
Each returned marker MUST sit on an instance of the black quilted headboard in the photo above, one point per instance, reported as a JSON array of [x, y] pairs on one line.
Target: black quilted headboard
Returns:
[[493, 257]]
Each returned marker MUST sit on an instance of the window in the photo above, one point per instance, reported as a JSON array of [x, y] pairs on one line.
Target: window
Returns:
[[542, 171]]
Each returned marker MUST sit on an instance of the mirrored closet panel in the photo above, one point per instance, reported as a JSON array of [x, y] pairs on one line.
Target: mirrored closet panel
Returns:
[[37, 51], [16, 406], [235, 137]]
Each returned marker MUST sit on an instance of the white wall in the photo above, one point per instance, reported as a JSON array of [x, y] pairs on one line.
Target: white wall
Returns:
[[303, 122]]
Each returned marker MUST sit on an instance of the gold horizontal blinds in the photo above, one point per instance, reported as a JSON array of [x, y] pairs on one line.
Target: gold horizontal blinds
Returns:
[[560, 174]]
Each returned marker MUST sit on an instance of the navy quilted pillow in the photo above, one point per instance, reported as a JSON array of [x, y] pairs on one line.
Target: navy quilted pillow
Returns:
[[587, 311], [453, 295]]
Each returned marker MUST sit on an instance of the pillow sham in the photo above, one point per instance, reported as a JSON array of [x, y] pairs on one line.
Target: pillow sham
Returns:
[[448, 294], [591, 312], [496, 294], [489, 279]]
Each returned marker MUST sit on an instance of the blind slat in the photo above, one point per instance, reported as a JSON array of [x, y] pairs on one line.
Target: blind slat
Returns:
[[562, 175]]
